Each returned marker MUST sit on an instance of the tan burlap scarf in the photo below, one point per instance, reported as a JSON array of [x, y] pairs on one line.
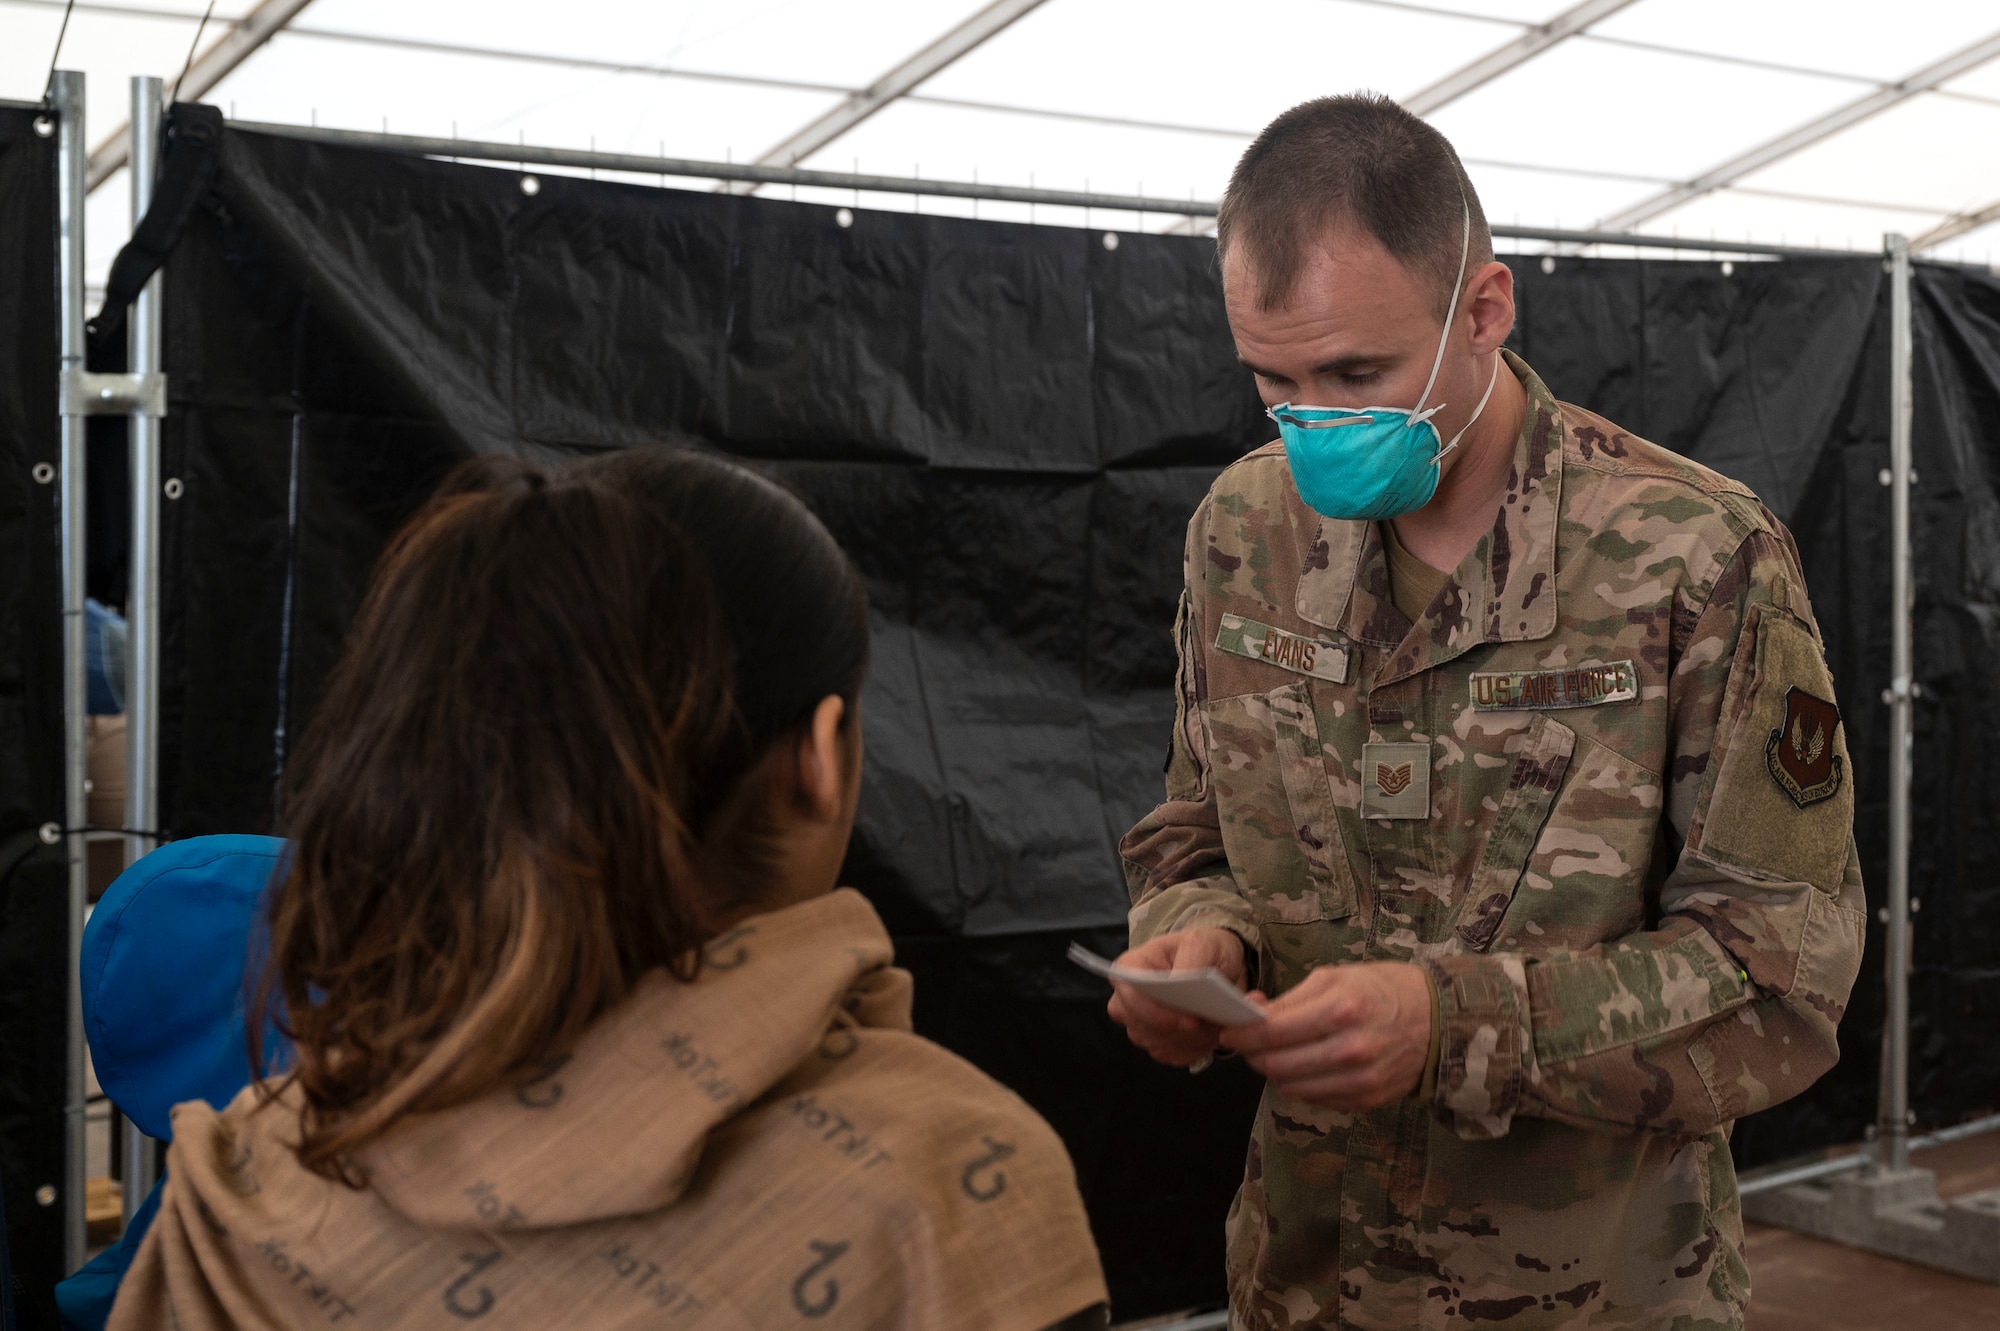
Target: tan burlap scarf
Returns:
[[768, 1147]]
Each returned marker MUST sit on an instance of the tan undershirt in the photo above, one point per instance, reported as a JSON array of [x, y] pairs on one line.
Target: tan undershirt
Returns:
[[1412, 582], [1413, 585]]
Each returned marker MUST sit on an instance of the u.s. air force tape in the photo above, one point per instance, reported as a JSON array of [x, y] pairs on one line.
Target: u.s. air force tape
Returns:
[[1288, 651], [1536, 690]]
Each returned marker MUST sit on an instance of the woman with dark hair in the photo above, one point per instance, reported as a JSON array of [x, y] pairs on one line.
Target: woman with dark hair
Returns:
[[583, 1034]]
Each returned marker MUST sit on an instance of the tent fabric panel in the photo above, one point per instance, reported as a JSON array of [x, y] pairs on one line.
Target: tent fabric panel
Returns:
[[34, 876]]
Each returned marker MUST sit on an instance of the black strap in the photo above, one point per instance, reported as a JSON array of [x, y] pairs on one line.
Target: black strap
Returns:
[[194, 148]]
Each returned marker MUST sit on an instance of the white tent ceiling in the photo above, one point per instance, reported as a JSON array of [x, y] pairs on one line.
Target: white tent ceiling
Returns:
[[1800, 122]]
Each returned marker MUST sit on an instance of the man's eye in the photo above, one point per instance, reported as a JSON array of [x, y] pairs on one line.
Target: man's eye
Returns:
[[1360, 380]]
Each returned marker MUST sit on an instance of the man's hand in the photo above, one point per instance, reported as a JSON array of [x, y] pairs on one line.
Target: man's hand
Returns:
[[1348, 1037], [1170, 1036]]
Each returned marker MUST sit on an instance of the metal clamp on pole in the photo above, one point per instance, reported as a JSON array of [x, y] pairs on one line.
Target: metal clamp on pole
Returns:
[[87, 394], [1902, 689]]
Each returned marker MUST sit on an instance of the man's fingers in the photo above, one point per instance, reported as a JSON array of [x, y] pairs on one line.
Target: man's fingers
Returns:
[[1132, 1008], [1168, 1036], [1190, 950], [1287, 1023], [1175, 1052], [1179, 1050], [1334, 1054]]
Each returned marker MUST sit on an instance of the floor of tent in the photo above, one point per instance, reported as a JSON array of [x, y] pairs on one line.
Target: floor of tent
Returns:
[[1801, 1283]]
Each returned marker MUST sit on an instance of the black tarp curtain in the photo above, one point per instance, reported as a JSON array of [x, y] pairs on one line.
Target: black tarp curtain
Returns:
[[33, 875], [1007, 426]]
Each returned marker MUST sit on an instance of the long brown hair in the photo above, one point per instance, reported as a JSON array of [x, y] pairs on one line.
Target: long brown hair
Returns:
[[507, 807]]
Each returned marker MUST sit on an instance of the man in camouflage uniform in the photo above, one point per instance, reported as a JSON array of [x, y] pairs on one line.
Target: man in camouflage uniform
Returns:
[[1549, 876]]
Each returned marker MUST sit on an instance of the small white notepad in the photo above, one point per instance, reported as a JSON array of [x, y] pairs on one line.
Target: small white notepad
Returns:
[[1204, 993]]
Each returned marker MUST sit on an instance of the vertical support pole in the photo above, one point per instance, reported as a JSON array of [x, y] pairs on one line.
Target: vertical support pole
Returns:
[[1893, 1132], [142, 609], [72, 155]]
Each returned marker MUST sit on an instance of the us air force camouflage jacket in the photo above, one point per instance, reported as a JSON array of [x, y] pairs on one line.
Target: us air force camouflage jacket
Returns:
[[1601, 792]]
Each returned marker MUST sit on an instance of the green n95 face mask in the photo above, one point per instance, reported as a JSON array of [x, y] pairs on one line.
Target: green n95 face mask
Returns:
[[1375, 462]]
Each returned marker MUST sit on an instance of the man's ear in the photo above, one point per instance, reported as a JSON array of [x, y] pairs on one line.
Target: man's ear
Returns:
[[818, 768], [1490, 301]]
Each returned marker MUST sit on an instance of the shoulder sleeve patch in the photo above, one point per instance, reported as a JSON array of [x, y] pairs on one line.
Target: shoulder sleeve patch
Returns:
[[1783, 802]]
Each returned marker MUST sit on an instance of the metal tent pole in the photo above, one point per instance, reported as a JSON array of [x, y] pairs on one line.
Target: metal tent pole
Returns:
[[142, 608], [1893, 1132], [72, 153]]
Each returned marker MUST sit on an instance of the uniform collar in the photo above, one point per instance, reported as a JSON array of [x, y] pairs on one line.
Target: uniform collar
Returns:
[[1503, 591]]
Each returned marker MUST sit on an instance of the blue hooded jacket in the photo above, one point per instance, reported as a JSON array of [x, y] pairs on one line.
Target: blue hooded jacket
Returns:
[[165, 957]]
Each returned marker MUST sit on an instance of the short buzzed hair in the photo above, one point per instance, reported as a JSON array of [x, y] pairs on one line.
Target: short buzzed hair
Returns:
[[1357, 158]]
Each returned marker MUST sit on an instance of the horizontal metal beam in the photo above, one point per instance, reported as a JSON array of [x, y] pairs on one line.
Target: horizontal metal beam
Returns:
[[750, 172], [1862, 1157], [1645, 241], [693, 169]]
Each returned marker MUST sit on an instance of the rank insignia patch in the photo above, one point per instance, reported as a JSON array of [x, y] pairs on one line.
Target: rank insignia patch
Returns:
[[1396, 780], [1800, 752]]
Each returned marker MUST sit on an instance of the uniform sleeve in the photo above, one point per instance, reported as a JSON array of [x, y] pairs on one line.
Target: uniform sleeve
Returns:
[[1175, 867], [1730, 1002]]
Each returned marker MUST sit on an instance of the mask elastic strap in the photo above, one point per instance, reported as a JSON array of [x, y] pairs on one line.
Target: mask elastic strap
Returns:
[[1491, 380], [1437, 361]]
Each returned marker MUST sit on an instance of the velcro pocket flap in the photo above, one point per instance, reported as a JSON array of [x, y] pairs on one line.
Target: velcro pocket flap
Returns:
[[1274, 801], [1531, 792], [1310, 793]]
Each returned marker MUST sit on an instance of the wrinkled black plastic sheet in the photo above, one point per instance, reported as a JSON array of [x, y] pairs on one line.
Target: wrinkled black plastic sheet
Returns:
[[1007, 426], [32, 911]]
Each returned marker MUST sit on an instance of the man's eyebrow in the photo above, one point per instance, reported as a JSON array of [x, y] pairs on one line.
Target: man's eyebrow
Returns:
[[1339, 365]]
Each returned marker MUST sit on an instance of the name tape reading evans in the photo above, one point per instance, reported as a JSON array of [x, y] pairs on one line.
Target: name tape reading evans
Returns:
[[1583, 686], [1288, 651]]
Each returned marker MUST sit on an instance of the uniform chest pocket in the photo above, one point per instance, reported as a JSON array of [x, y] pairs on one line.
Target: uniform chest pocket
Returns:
[[1577, 830], [1275, 803], [1531, 792]]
